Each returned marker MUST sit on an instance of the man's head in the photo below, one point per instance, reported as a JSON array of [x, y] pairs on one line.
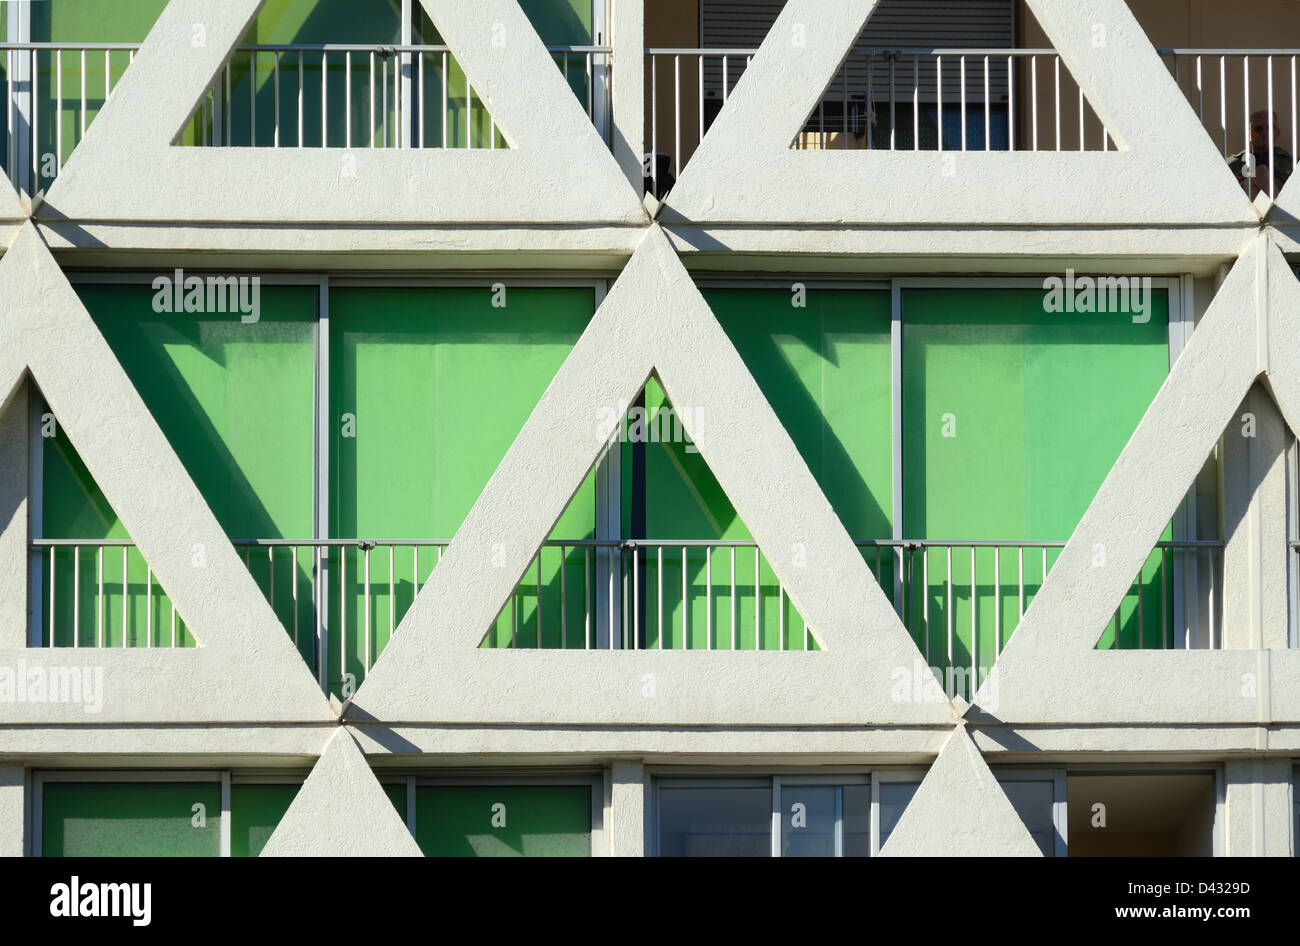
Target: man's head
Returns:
[[1260, 139]]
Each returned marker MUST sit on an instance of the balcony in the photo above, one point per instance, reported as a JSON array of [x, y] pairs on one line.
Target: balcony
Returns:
[[342, 600]]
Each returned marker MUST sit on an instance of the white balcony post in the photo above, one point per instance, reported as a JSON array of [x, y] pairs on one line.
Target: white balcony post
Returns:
[[627, 38], [12, 812], [1258, 808], [625, 819], [13, 521]]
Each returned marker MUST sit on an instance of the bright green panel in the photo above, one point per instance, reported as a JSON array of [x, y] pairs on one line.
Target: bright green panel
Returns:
[[235, 400], [94, 21], [255, 811], [1013, 416], [131, 819], [439, 383], [825, 369], [503, 821]]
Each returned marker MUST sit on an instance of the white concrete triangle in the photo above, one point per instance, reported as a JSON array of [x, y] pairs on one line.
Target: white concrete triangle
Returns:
[[11, 206], [341, 811], [960, 810], [245, 663], [654, 319], [556, 168], [745, 171]]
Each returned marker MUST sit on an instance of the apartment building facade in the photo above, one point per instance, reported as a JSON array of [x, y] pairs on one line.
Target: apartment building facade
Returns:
[[717, 427]]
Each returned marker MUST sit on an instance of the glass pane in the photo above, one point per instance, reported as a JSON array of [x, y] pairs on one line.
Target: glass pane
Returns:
[[894, 798], [715, 822], [1033, 803], [503, 821], [808, 820], [255, 811], [131, 819], [857, 820]]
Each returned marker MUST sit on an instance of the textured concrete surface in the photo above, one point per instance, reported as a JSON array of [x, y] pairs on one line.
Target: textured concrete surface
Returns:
[[341, 811]]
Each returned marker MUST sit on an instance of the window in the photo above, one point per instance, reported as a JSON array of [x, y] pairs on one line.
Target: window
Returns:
[[780, 816], [1142, 815], [536, 816], [1039, 799], [158, 814]]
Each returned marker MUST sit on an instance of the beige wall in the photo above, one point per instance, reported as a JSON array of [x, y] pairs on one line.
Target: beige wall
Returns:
[[1181, 24]]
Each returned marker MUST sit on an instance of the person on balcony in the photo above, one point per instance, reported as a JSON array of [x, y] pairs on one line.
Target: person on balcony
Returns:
[[1262, 171]]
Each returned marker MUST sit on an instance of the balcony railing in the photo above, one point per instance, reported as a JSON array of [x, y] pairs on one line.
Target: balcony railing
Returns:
[[342, 599], [964, 100], [272, 96]]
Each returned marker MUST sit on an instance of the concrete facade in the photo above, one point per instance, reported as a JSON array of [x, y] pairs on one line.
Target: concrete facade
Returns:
[[560, 200]]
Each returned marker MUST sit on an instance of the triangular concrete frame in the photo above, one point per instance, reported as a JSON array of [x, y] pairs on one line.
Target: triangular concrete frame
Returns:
[[1050, 670], [341, 811], [557, 168], [960, 810], [245, 667], [434, 670], [745, 171]]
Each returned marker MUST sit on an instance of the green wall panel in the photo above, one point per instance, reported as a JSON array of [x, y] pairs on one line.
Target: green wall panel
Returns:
[[503, 821], [235, 401], [1012, 418], [131, 819], [825, 370], [440, 383], [255, 812]]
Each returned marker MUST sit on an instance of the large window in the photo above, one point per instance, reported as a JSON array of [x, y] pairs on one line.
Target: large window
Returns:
[[158, 814]]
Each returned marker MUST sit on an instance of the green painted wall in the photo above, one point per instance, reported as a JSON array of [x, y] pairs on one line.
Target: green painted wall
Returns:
[[235, 401], [440, 382], [130, 819], [255, 812], [825, 370], [503, 821], [1039, 406]]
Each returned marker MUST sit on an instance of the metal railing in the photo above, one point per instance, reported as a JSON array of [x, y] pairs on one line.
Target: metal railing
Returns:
[[52, 93], [890, 100], [341, 600], [1227, 86], [339, 95], [293, 95]]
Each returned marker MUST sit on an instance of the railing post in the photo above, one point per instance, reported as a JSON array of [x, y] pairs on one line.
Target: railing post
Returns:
[[626, 36]]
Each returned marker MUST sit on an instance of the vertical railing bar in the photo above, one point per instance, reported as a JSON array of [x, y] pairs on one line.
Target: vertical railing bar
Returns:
[[635, 643], [1141, 638], [948, 578], [938, 75], [659, 607], [53, 555], [686, 623], [392, 592], [1272, 175], [654, 130], [564, 600], [758, 601], [916, 103], [365, 598], [252, 98], [893, 113], [1245, 92], [324, 110], [76, 596], [343, 609], [538, 607], [733, 608], [677, 110], [988, 126], [302, 86], [397, 104], [1020, 568], [1057, 96], [58, 111], [586, 596], [99, 598], [148, 606], [125, 587], [961, 61], [228, 106], [1223, 102], [275, 88], [1166, 626], [1011, 103], [1214, 637], [370, 102], [870, 104], [270, 564], [347, 98], [83, 94], [925, 600], [997, 601], [700, 80], [469, 114], [293, 576], [383, 100], [974, 616], [419, 78], [1033, 97], [708, 596]]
